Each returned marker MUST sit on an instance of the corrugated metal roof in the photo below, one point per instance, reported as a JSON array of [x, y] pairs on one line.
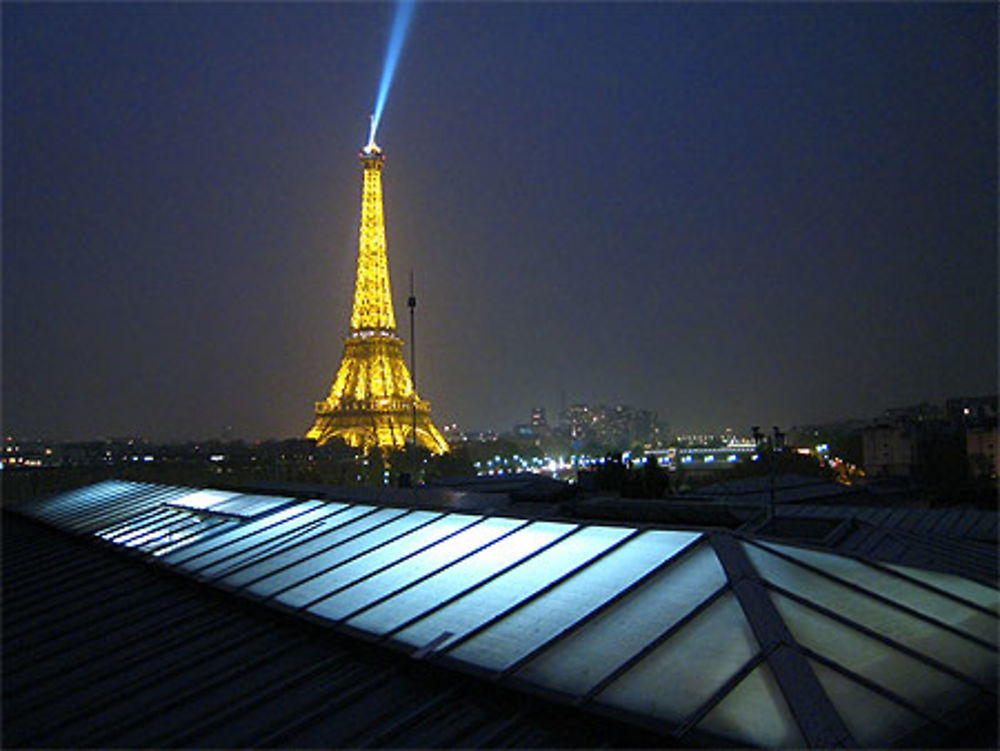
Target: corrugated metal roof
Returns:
[[700, 636]]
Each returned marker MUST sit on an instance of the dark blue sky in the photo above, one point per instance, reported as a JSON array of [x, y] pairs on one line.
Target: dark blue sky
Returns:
[[732, 214]]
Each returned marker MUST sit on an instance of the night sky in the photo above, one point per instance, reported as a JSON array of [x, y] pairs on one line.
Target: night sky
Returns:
[[730, 214]]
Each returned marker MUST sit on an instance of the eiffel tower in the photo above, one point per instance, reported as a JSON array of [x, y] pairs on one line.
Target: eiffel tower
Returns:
[[373, 401]]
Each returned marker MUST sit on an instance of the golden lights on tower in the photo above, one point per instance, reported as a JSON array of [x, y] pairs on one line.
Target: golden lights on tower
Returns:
[[372, 401]]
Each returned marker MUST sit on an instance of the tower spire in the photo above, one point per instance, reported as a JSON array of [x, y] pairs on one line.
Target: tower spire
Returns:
[[373, 401], [373, 308]]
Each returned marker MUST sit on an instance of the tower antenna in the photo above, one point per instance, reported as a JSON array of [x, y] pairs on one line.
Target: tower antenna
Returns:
[[371, 145]]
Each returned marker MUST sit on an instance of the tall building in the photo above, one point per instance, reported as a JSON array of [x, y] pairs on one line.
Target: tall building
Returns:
[[373, 401]]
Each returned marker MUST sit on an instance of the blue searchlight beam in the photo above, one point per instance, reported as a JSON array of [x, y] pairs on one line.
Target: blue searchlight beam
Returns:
[[400, 24]]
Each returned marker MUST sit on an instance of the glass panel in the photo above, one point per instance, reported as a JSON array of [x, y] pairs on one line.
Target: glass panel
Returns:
[[397, 577], [755, 713], [972, 659], [508, 640], [349, 545], [121, 508], [122, 511], [209, 527], [162, 530], [75, 501], [301, 512], [271, 540], [120, 529], [180, 535], [461, 577], [141, 524], [872, 719], [321, 535], [919, 598], [249, 506], [78, 505], [982, 595], [925, 687], [578, 662], [496, 596], [684, 671], [381, 557], [202, 499], [328, 533]]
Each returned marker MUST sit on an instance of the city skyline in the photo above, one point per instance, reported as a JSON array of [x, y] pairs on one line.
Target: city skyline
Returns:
[[729, 215]]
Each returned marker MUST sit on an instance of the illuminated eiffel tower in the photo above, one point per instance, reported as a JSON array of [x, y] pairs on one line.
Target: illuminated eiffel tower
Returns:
[[372, 401]]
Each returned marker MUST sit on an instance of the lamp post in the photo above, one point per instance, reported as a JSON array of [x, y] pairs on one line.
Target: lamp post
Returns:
[[771, 445], [412, 304]]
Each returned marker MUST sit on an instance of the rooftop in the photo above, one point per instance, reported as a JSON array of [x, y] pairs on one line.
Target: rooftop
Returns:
[[127, 600]]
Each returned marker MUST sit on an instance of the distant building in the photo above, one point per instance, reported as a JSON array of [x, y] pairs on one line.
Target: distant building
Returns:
[[538, 422], [914, 441], [618, 427], [981, 451], [976, 417], [890, 449], [923, 412]]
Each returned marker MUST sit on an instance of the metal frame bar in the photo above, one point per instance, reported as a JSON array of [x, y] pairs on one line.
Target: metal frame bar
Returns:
[[810, 707]]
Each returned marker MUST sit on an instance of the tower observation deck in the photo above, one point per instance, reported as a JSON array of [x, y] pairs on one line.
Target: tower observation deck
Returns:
[[373, 401]]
